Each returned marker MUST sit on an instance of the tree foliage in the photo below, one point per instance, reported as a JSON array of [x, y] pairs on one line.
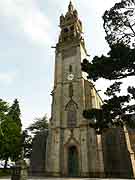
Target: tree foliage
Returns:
[[10, 134], [27, 143], [3, 109], [119, 25], [119, 64], [39, 125], [10, 141], [14, 113]]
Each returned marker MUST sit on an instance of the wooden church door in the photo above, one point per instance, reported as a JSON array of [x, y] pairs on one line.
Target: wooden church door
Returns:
[[73, 163]]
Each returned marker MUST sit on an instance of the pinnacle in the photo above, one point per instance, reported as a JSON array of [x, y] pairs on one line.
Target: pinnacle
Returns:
[[70, 6], [70, 2]]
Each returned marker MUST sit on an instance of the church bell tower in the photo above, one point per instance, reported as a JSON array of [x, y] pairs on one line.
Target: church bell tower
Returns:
[[73, 148]]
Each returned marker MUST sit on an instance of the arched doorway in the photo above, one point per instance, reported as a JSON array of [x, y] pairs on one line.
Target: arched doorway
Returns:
[[73, 163]]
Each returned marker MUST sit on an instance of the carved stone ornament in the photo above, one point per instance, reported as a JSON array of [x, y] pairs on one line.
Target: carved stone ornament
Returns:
[[70, 77]]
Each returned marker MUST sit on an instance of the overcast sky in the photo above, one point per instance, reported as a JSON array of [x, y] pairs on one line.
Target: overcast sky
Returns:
[[28, 29]]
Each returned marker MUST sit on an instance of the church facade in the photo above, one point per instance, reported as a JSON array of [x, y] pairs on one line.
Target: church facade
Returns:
[[72, 146]]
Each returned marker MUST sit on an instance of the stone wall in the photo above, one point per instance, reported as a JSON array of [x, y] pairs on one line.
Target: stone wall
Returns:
[[116, 156], [37, 160]]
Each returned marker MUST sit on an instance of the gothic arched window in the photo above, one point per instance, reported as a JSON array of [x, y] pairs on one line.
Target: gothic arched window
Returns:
[[71, 114], [70, 68], [71, 91], [66, 30]]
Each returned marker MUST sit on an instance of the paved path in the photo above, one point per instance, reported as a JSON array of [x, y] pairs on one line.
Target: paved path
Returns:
[[8, 178]]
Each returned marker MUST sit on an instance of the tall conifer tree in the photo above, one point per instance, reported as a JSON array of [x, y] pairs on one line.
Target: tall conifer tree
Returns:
[[10, 134], [119, 25]]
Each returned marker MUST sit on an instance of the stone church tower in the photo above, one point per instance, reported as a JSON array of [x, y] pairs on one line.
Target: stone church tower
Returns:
[[73, 148]]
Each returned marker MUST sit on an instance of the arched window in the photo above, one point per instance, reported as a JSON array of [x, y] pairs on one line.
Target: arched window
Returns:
[[73, 163], [70, 68], [71, 91], [71, 114], [71, 117], [111, 139], [66, 30]]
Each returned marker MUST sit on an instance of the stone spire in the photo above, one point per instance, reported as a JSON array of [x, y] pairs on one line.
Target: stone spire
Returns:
[[71, 26], [71, 15], [70, 7]]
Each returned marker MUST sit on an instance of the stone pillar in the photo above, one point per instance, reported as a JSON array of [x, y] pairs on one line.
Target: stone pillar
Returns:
[[100, 161], [84, 152], [53, 153], [130, 150], [20, 171]]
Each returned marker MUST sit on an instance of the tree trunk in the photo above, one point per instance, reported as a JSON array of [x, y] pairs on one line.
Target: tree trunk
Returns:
[[6, 161]]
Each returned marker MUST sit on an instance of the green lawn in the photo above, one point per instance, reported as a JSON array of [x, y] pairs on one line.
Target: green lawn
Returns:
[[5, 172]]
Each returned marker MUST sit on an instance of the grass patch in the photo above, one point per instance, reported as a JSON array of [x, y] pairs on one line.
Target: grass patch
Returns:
[[5, 172]]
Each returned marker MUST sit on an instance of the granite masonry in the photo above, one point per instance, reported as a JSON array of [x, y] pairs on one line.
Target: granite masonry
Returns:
[[71, 148]]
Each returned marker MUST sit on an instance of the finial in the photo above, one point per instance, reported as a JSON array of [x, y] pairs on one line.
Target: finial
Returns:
[[61, 19], [70, 7]]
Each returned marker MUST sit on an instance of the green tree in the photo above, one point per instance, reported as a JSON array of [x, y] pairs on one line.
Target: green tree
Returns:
[[3, 111], [37, 126], [15, 113], [10, 141], [10, 135], [27, 143], [119, 25]]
